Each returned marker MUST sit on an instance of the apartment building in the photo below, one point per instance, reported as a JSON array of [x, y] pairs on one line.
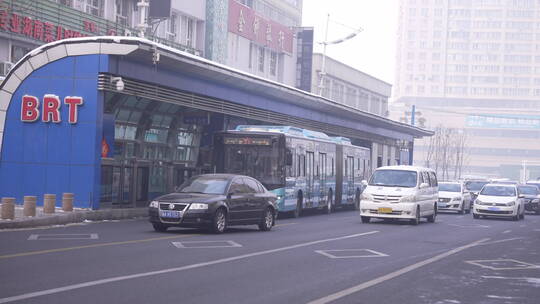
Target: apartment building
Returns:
[[473, 65]]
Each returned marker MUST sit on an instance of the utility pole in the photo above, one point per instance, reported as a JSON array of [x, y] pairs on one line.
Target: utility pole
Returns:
[[325, 43], [323, 64]]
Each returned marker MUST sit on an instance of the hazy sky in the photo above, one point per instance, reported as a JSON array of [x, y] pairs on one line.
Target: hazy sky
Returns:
[[372, 51]]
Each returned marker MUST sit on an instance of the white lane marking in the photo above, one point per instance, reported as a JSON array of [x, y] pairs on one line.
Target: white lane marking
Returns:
[[501, 241], [392, 275], [169, 270], [351, 253], [206, 244], [502, 264], [56, 237], [469, 226], [507, 231]]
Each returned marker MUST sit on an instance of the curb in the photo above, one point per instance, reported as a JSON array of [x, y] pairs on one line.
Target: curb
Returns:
[[74, 217]]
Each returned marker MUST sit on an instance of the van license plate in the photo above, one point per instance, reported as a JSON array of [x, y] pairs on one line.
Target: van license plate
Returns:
[[385, 210], [170, 214], [493, 209]]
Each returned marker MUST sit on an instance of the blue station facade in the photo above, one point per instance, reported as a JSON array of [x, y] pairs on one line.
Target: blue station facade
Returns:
[[118, 121]]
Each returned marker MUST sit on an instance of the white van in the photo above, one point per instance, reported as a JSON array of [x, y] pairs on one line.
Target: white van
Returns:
[[400, 192]]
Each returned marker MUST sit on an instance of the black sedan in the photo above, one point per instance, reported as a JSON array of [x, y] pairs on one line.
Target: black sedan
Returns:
[[215, 201], [531, 196]]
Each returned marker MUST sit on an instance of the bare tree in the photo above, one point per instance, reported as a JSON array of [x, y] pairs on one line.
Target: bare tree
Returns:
[[446, 152]]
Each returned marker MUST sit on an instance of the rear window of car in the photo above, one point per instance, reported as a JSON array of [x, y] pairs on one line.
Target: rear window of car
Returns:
[[532, 190]]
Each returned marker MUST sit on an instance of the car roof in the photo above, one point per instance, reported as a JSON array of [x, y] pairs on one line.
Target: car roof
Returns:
[[222, 175], [405, 168], [503, 185]]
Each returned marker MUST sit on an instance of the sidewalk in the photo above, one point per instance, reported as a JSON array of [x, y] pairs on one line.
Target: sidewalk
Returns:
[[76, 216]]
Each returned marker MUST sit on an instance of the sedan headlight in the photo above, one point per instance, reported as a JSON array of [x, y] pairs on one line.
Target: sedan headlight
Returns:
[[198, 207], [512, 203], [154, 204], [478, 202], [456, 198], [408, 199], [366, 197], [536, 201]]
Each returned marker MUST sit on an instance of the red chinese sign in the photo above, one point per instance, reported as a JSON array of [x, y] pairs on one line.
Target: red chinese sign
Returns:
[[245, 22], [43, 30]]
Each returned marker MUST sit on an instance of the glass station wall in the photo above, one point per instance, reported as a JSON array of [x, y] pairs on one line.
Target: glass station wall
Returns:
[[149, 147]]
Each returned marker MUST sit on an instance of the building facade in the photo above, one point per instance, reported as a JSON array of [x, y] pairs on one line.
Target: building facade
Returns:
[[473, 65], [255, 36]]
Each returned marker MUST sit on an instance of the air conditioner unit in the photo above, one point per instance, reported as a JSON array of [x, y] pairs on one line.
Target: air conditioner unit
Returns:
[[5, 67]]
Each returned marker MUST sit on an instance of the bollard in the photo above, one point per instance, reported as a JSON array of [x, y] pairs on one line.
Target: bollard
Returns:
[[67, 201], [29, 205], [8, 208], [49, 203]]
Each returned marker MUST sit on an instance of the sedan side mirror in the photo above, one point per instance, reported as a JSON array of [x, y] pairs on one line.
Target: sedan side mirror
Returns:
[[521, 196], [364, 183]]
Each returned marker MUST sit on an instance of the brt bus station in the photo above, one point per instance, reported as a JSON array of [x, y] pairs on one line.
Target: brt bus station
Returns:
[[119, 120]]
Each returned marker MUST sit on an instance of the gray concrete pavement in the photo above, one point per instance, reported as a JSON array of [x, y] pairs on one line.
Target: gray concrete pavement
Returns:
[[300, 261]]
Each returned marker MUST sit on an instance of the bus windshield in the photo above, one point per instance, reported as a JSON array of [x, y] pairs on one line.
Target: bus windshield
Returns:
[[258, 161], [394, 178]]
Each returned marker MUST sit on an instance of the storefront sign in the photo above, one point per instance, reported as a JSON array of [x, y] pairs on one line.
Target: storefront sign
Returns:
[[50, 110], [245, 22], [46, 31]]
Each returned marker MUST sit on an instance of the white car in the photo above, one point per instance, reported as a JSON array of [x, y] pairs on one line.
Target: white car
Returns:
[[500, 201], [454, 197]]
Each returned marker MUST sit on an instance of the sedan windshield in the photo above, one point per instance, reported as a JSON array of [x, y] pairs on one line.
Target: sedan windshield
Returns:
[[394, 178], [205, 184], [498, 191], [532, 190], [449, 187]]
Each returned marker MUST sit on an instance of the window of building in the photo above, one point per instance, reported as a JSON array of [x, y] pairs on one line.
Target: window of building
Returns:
[[122, 12], [261, 59], [190, 32], [173, 27], [273, 63]]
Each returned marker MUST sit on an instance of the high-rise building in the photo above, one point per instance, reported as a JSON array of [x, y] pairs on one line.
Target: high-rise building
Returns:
[[473, 66]]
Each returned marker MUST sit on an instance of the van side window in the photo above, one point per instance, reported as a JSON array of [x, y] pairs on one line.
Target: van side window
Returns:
[[426, 178], [433, 179]]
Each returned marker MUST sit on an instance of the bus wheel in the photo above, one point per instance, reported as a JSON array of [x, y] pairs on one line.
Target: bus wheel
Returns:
[[298, 210], [329, 202]]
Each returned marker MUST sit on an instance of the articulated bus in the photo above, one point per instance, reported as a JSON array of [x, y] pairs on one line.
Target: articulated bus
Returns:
[[305, 169], [353, 166]]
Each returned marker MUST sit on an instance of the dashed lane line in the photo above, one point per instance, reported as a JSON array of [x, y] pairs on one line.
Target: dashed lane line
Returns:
[[365, 285], [175, 269]]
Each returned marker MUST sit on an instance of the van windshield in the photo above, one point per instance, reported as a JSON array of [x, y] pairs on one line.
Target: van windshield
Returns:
[[394, 178]]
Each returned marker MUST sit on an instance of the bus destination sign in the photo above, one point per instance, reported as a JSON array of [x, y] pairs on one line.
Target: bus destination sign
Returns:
[[247, 141]]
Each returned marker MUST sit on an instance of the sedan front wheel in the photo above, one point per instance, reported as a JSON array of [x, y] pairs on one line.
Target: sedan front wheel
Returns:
[[267, 221], [219, 223]]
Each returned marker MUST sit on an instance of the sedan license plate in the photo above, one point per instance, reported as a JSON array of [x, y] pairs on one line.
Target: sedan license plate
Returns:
[[170, 213], [493, 209], [441, 205], [385, 210]]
